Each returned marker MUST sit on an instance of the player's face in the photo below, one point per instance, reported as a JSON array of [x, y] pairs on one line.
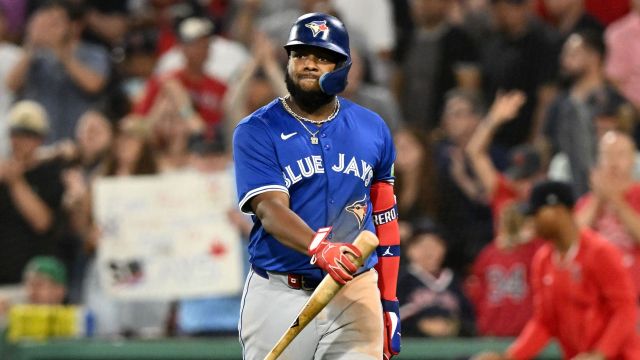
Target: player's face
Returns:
[[307, 64], [547, 221]]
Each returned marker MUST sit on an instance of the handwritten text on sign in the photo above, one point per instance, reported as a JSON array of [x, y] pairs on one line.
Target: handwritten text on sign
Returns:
[[167, 236]]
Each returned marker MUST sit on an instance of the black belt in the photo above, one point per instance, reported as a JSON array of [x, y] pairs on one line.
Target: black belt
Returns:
[[295, 281]]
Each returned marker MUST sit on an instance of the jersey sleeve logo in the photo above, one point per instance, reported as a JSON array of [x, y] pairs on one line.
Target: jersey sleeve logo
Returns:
[[317, 27], [359, 210]]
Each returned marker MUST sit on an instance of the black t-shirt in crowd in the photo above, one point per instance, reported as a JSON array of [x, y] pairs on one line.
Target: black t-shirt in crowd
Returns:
[[18, 241], [525, 63], [430, 67]]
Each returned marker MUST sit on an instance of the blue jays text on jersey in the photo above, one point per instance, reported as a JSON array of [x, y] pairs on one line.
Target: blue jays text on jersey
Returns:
[[311, 165], [328, 183]]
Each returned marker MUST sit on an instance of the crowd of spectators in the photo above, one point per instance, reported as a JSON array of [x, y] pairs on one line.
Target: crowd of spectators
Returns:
[[484, 98]]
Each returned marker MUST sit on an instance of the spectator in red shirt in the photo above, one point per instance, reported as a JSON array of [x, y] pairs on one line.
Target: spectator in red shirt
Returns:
[[612, 208], [189, 93], [501, 190], [499, 285], [583, 296]]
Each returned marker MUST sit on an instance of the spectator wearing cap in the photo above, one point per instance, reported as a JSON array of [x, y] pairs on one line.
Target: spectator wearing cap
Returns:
[[44, 282], [570, 122], [583, 296], [188, 94], [225, 57], [30, 193], [58, 69], [612, 207]]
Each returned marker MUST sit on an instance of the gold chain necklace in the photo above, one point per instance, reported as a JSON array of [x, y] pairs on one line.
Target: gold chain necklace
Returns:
[[314, 138]]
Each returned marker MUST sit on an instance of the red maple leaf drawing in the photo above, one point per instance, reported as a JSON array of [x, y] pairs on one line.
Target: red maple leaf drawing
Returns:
[[217, 249]]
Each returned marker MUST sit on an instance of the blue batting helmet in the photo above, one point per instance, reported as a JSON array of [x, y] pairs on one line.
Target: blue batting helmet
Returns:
[[325, 31]]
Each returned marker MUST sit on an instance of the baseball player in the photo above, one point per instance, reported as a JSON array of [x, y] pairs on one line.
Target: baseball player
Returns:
[[582, 294], [315, 170]]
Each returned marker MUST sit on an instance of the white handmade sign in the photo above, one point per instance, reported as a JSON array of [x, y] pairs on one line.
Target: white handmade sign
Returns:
[[167, 236]]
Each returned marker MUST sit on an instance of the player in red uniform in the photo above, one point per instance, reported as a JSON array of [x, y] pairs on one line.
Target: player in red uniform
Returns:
[[583, 296]]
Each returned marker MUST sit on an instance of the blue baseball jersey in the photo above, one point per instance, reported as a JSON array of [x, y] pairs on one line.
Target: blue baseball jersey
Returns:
[[328, 183]]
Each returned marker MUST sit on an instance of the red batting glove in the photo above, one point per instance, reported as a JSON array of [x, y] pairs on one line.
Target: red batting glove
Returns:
[[332, 257]]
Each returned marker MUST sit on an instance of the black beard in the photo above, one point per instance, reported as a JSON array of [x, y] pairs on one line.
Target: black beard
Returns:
[[309, 101]]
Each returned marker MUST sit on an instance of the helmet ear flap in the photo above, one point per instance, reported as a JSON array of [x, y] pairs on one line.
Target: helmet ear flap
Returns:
[[335, 82]]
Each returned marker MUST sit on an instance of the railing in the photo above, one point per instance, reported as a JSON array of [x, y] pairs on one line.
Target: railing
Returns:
[[228, 349]]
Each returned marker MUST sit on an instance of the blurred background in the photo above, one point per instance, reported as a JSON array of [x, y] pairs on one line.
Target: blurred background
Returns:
[[119, 231]]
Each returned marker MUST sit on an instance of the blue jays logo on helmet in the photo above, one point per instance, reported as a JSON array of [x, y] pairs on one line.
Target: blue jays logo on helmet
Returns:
[[317, 27], [359, 210]]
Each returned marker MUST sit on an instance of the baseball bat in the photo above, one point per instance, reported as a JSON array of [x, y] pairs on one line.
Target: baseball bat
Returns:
[[366, 242]]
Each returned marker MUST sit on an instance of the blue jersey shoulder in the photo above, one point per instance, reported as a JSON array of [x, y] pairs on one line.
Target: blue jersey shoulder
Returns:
[[362, 112]]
